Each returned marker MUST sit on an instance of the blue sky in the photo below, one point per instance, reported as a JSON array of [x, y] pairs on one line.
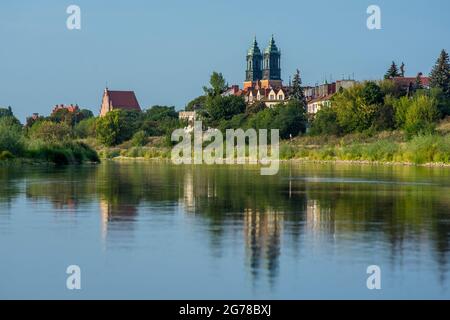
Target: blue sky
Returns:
[[165, 50]]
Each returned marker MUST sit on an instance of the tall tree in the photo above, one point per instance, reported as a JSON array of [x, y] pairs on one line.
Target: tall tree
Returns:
[[392, 71], [297, 90], [440, 75], [402, 70], [217, 83]]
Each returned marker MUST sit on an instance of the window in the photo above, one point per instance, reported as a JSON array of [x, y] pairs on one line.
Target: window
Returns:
[[280, 97], [272, 97]]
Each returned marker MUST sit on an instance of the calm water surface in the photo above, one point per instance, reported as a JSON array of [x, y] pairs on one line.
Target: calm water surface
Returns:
[[152, 230]]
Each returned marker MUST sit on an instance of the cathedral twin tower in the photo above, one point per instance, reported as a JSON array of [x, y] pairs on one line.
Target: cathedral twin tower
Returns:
[[263, 70]]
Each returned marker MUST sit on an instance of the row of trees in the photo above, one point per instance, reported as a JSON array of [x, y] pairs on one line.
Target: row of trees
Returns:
[[375, 106]]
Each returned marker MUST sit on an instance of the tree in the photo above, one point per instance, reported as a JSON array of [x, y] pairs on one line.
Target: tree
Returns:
[[357, 107], [11, 136], [392, 71], [117, 126], [196, 104], [372, 94], [223, 108], [297, 90], [85, 128], [402, 70], [217, 83], [255, 107], [325, 122], [50, 131], [6, 112], [421, 115], [440, 75]]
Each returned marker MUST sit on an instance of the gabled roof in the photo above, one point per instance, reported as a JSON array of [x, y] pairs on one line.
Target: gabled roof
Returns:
[[405, 81], [123, 100]]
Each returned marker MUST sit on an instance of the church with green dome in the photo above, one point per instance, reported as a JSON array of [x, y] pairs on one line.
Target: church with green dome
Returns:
[[263, 68]]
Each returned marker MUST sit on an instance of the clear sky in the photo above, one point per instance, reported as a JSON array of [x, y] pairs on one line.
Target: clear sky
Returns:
[[165, 50]]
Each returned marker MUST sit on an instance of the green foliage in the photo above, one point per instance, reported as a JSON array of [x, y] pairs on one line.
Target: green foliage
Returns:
[[70, 118], [86, 128], [371, 94], [325, 122], [421, 115], [354, 110], [6, 155], [11, 136], [223, 108], [159, 121], [117, 126], [392, 71], [195, 104], [50, 131], [427, 148], [440, 75], [139, 139], [6, 112], [297, 90], [289, 118], [217, 83], [62, 153], [255, 107]]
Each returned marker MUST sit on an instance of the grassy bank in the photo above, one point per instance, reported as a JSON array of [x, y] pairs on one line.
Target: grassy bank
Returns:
[[392, 146], [61, 153], [383, 147]]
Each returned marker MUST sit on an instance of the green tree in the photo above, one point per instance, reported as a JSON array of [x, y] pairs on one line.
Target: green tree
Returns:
[[85, 128], [440, 75], [255, 107], [325, 122], [6, 112], [297, 90], [223, 108], [422, 115], [392, 71], [11, 136], [117, 126], [196, 104], [50, 131], [139, 139], [217, 83], [402, 70], [356, 107]]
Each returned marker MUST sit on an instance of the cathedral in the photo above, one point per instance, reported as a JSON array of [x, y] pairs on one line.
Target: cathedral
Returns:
[[263, 69]]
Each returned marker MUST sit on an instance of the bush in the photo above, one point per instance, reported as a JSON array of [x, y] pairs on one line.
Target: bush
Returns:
[[86, 128], [139, 139], [6, 155], [428, 148], [62, 153], [11, 136], [325, 122], [421, 116], [50, 131]]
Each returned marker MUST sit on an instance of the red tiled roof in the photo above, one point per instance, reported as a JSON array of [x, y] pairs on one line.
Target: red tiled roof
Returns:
[[405, 81], [123, 100]]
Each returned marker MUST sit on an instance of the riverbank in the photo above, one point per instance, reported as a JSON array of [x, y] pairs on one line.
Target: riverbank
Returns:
[[390, 148]]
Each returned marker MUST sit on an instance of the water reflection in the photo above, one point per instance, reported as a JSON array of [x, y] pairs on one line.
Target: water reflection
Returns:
[[330, 208]]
